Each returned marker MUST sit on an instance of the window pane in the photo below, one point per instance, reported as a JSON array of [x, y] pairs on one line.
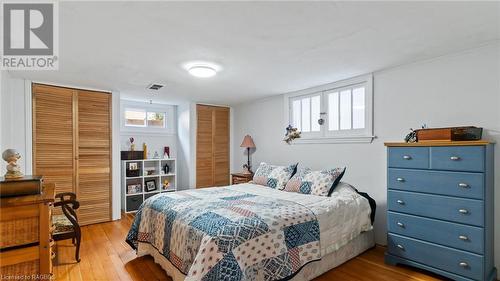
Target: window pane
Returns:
[[358, 108], [333, 111], [135, 118], [315, 110], [156, 119], [296, 115], [345, 110], [306, 115]]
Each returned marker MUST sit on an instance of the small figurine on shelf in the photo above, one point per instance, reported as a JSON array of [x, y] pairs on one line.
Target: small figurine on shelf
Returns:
[[132, 144], [145, 150], [166, 184], [291, 134], [13, 169], [156, 155], [166, 152], [166, 169], [412, 136]]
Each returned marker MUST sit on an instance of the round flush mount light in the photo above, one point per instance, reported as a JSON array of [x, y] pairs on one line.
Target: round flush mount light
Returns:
[[202, 69]]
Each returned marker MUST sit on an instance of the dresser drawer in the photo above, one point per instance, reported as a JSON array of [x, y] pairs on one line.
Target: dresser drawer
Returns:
[[461, 184], [408, 157], [240, 180], [458, 158], [459, 210], [464, 237], [441, 257]]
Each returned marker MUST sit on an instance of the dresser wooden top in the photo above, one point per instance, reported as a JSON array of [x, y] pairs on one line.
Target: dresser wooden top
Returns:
[[242, 175], [46, 196], [439, 143]]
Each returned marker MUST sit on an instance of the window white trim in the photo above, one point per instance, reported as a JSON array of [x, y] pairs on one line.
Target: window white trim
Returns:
[[342, 136], [171, 118], [310, 134]]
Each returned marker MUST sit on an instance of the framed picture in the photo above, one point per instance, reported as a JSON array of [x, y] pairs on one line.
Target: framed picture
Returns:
[[150, 171], [150, 185], [134, 188], [132, 166]]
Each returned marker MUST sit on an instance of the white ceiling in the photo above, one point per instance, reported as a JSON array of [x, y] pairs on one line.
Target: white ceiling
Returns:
[[265, 48]]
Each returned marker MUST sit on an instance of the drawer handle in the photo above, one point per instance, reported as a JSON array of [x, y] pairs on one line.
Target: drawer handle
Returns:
[[407, 157], [463, 264], [463, 238], [454, 158], [400, 179], [401, 202], [400, 224], [464, 185], [400, 247], [463, 211]]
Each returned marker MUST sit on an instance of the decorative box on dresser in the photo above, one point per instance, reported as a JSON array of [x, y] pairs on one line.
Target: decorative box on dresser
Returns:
[[440, 208], [26, 239]]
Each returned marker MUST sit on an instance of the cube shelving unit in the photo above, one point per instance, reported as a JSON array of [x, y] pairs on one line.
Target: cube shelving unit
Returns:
[[148, 170]]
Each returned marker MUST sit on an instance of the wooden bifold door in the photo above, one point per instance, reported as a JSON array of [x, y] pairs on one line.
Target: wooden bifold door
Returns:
[[72, 146], [212, 146]]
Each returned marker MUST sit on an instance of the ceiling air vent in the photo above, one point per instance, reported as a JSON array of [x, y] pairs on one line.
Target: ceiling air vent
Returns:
[[155, 87]]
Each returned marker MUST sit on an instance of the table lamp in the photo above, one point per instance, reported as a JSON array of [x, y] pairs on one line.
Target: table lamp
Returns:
[[247, 143]]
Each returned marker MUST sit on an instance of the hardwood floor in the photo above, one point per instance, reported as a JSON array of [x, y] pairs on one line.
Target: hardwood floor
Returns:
[[106, 256]]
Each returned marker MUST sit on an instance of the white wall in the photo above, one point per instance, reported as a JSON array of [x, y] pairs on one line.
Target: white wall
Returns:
[[452, 90], [116, 170], [185, 134], [3, 74], [13, 117], [153, 142]]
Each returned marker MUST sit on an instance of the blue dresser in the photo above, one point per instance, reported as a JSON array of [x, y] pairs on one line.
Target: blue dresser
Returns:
[[440, 208]]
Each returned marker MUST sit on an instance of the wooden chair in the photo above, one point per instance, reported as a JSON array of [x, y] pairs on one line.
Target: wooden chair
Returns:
[[66, 225]]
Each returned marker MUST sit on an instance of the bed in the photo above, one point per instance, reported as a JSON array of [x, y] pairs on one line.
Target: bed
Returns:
[[252, 232]]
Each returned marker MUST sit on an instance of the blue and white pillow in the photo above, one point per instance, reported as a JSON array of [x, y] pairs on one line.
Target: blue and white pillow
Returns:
[[273, 176], [320, 183]]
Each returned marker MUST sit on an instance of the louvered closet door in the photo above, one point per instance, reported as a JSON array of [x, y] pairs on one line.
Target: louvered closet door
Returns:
[[53, 148], [212, 146], [72, 146], [204, 150], [94, 156], [221, 146]]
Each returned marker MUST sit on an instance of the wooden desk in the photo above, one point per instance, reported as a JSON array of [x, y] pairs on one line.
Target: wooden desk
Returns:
[[25, 228]]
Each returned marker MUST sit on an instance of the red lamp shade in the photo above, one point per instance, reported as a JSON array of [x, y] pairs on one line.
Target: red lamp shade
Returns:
[[247, 142]]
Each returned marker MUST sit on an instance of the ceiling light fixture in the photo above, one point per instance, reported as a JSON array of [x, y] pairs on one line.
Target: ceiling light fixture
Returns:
[[202, 71]]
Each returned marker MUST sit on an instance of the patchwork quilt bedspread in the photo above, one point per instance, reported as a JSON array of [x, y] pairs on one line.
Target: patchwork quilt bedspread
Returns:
[[225, 234]]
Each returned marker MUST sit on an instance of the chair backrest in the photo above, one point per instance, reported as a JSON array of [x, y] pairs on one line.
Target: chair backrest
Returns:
[[68, 203]]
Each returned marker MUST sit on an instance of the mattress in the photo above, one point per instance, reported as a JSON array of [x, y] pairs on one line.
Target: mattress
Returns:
[[338, 220], [342, 216]]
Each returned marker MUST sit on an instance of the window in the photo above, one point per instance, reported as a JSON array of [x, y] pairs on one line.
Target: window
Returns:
[[340, 111], [135, 118], [156, 119], [306, 112], [346, 109], [142, 118]]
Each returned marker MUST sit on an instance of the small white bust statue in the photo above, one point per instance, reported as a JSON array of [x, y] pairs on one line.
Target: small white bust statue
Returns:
[[13, 169]]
